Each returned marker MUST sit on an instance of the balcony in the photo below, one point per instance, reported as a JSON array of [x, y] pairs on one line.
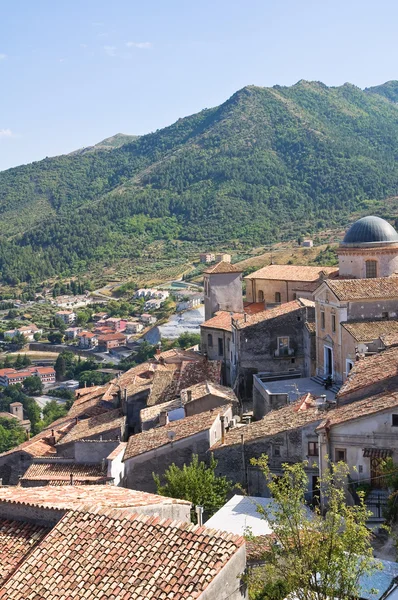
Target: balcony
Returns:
[[284, 353]]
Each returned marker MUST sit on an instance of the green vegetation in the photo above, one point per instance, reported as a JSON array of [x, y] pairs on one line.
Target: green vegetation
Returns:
[[268, 164], [11, 434], [53, 411], [196, 482], [70, 366], [14, 393], [319, 557]]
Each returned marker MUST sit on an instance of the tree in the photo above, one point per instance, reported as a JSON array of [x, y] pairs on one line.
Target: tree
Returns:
[[186, 340], [8, 362], [197, 483], [59, 323], [94, 378], [82, 317], [53, 411], [18, 362], [36, 336], [19, 340], [26, 362], [65, 365], [315, 558], [11, 433], [55, 337], [33, 385]]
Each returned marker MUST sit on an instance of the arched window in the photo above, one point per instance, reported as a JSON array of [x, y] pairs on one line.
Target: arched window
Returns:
[[261, 296], [371, 268], [209, 340], [278, 297]]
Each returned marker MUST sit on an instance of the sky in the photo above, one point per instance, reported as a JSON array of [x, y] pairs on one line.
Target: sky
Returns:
[[73, 72]]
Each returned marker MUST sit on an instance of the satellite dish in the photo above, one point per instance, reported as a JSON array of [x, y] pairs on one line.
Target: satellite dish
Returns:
[[171, 435]]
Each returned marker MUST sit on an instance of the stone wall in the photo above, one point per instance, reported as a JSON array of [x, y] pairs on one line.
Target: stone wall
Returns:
[[224, 293]]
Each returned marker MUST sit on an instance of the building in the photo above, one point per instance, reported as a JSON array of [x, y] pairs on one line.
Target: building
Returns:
[[344, 309], [155, 450], [307, 243], [148, 319], [89, 537], [216, 341], [277, 284], [59, 472], [222, 289], [28, 331], [223, 258], [115, 323], [100, 316], [110, 340], [16, 412], [68, 316], [87, 340], [191, 301], [71, 333], [12, 376], [152, 304], [133, 327], [273, 342], [207, 257], [369, 249]]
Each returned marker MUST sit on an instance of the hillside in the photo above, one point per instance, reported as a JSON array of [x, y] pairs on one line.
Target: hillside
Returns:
[[266, 165]]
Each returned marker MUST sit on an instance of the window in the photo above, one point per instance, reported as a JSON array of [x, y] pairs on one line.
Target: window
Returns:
[[277, 451], [210, 340], [395, 420], [294, 296], [283, 346], [228, 345], [277, 297], [322, 319], [384, 315], [334, 323], [220, 347], [312, 448], [340, 455], [261, 296], [371, 269]]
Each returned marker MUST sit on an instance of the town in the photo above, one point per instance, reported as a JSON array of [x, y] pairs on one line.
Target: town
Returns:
[[295, 363]]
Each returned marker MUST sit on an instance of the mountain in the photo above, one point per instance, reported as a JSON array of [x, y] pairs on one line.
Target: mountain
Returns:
[[267, 164], [110, 143]]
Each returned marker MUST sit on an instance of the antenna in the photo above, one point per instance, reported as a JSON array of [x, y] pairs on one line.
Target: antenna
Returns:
[[171, 435]]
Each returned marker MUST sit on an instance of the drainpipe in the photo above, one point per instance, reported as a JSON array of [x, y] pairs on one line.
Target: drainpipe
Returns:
[[222, 419], [243, 461]]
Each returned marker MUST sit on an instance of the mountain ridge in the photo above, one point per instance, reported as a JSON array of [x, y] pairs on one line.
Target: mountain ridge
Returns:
[[267, 164]]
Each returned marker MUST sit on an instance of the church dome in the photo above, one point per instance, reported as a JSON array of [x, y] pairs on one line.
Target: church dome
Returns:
[[370, 230]]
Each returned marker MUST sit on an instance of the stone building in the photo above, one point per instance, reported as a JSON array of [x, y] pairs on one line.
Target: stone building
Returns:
[[276, 284], [343, 309], [273, 342], [222, 289], [216, 341]]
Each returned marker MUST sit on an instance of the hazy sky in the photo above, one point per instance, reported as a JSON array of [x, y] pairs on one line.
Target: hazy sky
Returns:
[[73, 72]]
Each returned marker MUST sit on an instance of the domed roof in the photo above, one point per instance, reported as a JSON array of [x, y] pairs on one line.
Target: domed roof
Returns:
[[370, 230]]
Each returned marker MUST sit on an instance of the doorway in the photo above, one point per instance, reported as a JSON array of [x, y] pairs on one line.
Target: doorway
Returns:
[[328, 361]]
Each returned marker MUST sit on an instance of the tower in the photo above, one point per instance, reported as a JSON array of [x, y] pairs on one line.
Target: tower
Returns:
[[223, 289]]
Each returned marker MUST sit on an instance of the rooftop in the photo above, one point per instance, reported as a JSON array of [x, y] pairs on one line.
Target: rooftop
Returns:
[[370, 370], [370, 230], [221, 320], [42, 444], [292, 273], [367, 331], [199, 390], [267, 315], [16, 541], [94, 426], [364, 289], [301, 413], [171, 433], [222, 267], [295, 387], [110, 557], [57, 472]]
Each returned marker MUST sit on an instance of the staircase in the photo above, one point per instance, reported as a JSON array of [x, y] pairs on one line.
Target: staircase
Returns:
[[318, 379]]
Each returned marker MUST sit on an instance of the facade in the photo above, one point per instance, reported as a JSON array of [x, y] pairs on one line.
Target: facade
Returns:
[[277, 284], [87, 340], [223, 258], [16, 412], [148, 319], [71, 333], [207, 257], [12, 376], [216, 341], [28, 331], [341, 307], [307, 243], [133, 327], [68, 316], [222, 289], [110, 340]]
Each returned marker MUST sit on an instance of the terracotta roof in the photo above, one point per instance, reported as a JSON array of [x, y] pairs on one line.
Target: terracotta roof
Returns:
[[366, 331], [296, 415], [253, 307], [86, 498], [370, 370], [118, 450], [177, 355], [267, 315], [222, 267], [222, 320], [199, 390], [156, 438], [91, 407], [7, 415], [40, 444], [195, 372], [16, 541], [164, 387], [109, 337], [360, 408], [151, 412], [363, 289], [59, 471], [292, 273], [109, 557], [389, 339], [95, 426]]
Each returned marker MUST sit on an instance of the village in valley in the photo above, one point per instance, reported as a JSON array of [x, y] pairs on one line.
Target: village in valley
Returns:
[[296, 363]]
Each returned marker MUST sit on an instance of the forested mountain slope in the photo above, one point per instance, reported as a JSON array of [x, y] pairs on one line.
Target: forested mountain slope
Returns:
[[268, 163]]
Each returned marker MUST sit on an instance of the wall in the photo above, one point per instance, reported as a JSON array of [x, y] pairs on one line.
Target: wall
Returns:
[[116, 466], [46, 517], [352, 261], [175, 512], [13, 466], [373, 309], [263, 401], [288, 290], [132, 407], [213, 353], [225, 293], [326, 301], [93, 451], [227, 585], [207, 403]]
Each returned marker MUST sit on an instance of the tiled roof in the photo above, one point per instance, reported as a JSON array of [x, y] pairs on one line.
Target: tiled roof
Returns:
[[360, 408], [164, 387], [95, 426], [156, 438], [289, 417], [83, 498], [177, 355], [105, 556], [221, 320], [363, 289], [16, 541], [58, 471], [110, 337], [366, 331], [267, 315], [151, 412], [222, 267], [389, 339], [195, 372], [86, 334], [292, 273], [370, 370], [40, 444], [199, 390], [118, 450]]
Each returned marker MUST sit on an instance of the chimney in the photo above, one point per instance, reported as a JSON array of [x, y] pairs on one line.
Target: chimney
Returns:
[[103, 464], [164, 418], [199, 514], [222, 419], [189, 395], [245, 317], [71, 479], [76, 420], [51, 439]]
